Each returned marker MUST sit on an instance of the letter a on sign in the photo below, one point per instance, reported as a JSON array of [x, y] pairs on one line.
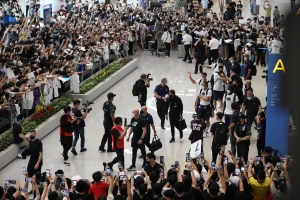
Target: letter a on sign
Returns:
[[279, 66]]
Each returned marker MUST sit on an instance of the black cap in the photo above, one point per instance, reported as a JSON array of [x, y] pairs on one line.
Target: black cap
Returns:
[[59, 172], [110, 95], [268, 149], [241, 115], [10, 191]]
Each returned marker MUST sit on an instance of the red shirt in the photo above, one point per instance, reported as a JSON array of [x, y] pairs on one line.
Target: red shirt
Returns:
[[99, 189], [116, 142]]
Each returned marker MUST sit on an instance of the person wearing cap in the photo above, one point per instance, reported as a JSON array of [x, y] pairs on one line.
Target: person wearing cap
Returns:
[[109, 117], [67, 124], [242, 133], [79, 127]]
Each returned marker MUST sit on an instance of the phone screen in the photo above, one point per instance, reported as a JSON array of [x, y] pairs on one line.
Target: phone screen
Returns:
[[64, 192], [138, 172], [176, 163], [24, 170], [74, 182], [201, 155], [107, 171], [120, 165], [225, 160], [23, 190], [161, 172], [278, 165], [28, 180], [213, 164], [242, 169], [122, 176], [47, 172], [173, 167], [7, 183], [187, 157], [237, 171], [161, 160]]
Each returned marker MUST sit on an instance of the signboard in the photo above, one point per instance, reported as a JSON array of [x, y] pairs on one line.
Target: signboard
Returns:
[[196, 149], [167, 7], [277, 113], [47, 13]]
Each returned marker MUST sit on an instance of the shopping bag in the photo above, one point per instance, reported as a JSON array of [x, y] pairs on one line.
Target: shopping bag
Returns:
[[182, 125]]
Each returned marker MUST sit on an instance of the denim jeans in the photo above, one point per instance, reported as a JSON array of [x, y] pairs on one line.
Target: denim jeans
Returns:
[[251, 8], [77, 133]]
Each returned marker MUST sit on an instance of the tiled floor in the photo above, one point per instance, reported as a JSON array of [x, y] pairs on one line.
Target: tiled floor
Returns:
[[84, 164]]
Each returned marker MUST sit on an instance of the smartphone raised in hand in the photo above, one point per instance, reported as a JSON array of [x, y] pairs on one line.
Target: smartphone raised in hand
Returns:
[[24, 170], [237, 171], [187, 157], [161, 160], [107, 171], [176, 164]]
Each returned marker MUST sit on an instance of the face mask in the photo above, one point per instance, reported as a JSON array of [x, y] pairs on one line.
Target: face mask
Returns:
[[249, 98], [247, 34], [228, 91], [246, 27], [11, 88], [31, 137], [132, 115], [231, 61], [261, 32], [69, 70]]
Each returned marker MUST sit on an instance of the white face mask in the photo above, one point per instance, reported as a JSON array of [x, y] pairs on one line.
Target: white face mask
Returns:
[[228, 91], [132, 115], [249, 98], [11, 88]]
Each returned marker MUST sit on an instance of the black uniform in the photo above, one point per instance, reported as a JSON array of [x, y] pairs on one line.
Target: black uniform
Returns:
[[261, 139], [176, 110], [160, 103], [220, 132], [243, 130], [108, 123], [36, 147], [142, 92], [200, 56]]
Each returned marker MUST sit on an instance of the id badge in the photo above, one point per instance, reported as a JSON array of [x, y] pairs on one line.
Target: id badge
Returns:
[[243, 129]]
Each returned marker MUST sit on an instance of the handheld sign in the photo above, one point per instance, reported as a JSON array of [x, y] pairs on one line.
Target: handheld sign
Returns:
[[196, 149]]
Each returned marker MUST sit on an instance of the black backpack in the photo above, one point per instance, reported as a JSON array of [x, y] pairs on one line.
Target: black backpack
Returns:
[[212, 81], [135, 89], [253, 70], [220, 134]]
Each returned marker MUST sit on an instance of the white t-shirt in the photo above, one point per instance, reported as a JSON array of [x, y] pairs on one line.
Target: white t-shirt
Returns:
[[219, 85], [276, 45], [228, 99], [187, 39], [213, 44], [199, 81], [205, 93]]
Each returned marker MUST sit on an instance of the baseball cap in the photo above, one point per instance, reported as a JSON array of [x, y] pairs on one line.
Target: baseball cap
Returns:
[[111, 95], [241, 115]]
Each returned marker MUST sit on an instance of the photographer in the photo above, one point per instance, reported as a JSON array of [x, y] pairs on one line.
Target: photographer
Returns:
[[108, 122], [67, 124], [79, 127], [143, 83], [36, 155], [117, 135]]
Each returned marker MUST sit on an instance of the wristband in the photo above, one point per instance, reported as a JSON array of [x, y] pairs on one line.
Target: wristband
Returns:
[[141, 138]]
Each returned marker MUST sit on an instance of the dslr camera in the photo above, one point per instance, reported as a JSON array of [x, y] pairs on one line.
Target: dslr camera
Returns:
[[86, 106], [150, 79]]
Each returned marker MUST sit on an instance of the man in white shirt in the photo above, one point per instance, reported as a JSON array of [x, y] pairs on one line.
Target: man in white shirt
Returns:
[[276, 44], [213, 49], [199, 81], [187, 40], [228, 99], [218, 88]]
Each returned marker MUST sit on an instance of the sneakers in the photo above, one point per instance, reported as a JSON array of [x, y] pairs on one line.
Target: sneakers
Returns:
[[172, 140], [190, 61], [110, 166], [163, 128], [102, 149], [19, 155], [181, 135], [83, 150], [131, 168], [167, 56], [206, 132], [67, 163], [74, 151]]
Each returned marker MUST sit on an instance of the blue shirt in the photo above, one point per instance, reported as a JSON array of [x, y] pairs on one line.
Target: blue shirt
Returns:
[[161, 90], [148, 120], [248, 66]]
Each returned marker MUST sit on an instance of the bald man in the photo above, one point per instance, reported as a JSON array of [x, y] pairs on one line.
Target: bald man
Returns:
[[147, 117], [138, 128]]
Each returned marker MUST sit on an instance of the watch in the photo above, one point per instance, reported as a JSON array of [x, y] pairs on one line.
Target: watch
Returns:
[[141, 138]]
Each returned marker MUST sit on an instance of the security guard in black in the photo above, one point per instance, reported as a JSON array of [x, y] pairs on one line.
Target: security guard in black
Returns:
[[161, 92], [109, 116]]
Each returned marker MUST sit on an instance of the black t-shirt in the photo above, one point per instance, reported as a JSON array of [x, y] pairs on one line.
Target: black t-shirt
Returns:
[[148, 195], [17, 129], [77, 113], [137, 125], [81, 197], [36, 147], [206, 196], [188, 195], [116, 134], [213, 130], [190, 8], [235, 119], [142, 87], [156, 168], [252, 106]]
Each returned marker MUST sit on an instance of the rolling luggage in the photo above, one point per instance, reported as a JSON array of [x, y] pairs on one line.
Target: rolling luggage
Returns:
[[181, 51], [149, 45]]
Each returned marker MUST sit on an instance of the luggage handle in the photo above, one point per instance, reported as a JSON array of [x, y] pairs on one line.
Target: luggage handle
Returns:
[[155, 137]]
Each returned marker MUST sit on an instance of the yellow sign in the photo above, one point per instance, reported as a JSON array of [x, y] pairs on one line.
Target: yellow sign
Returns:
[[298, 12], [279, 66]]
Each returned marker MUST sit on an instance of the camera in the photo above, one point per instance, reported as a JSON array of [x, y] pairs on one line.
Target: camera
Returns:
[[150, 79], [86, 109]]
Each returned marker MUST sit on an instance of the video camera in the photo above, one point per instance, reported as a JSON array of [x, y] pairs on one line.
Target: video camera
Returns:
[[150, 79], [86, 109]]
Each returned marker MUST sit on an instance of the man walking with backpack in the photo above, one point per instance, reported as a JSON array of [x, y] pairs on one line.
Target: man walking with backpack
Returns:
[[221, 134]]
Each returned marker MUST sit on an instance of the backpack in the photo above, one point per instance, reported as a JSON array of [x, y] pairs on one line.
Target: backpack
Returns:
[[220, 133], [135, 89], [201, 82], [253, 70], [206, 91]]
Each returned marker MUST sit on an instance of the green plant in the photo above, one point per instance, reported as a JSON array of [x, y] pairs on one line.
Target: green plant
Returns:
[[36, 119], [102, 75]]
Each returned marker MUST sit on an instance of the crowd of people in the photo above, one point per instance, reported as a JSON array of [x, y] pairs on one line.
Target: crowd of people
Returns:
[[37, 59]]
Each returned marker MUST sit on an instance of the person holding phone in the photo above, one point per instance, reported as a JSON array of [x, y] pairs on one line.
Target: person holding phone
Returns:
[[152, 165], [117, 136], [36, 155]]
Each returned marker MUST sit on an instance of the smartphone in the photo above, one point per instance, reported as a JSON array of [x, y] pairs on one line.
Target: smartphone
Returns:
[[103, 180], [216, 169], [161, 160], [23, 190], [225, 160], [41, 183], [24, 170], [59, 175], [202, 156], [161, 172], [258, 158], [187, 157], [74, 182], [63, 183], [122, 176], [120, 165], [278, 165], [7, 183], [28, 180], [176, 164], [84, 180], [11, 181], [64, 192], [47, 172], [238, 159], [267, 165], [138, 173], [242, 169], [237, 171], [173, 167], [108, 171], [213, 164]]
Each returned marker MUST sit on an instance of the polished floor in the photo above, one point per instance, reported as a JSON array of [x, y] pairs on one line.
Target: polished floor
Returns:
[[84, 164]]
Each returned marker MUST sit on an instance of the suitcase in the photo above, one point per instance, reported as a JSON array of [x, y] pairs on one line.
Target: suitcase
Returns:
[[149, 45], [181, 51]]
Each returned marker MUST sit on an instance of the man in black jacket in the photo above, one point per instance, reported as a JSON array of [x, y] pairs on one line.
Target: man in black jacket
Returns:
[[143, 83], [175, 114]]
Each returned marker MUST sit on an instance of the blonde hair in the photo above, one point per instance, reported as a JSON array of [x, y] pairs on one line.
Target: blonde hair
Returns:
[[248, 83]]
